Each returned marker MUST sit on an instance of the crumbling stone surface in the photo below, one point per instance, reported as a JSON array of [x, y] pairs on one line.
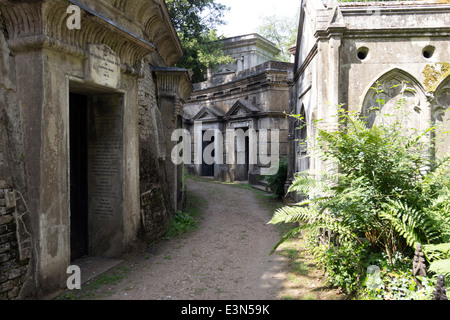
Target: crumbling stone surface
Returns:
[[155, 203], [14, 254]]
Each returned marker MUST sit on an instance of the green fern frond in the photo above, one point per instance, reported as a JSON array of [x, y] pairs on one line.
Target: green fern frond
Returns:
[[441, 267], [287, 236], [296, 213], [311, 182], [413, 225], [435, 252]]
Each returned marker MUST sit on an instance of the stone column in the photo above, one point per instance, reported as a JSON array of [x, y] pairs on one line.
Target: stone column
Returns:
[[173, 89], [291, 156]]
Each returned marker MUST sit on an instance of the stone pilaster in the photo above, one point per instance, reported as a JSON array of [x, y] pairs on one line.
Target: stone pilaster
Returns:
[[173, 90]]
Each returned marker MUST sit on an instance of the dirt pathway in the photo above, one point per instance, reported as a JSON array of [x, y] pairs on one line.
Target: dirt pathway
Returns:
[[227, 258]]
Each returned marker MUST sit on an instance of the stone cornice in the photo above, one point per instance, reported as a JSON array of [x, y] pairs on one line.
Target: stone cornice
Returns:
[[384, 19], [173, 82], [42, 24], [248, 80], [253, 39], [148, 19]]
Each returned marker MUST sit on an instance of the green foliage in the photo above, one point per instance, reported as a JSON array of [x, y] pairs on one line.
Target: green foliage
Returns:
[[195, 17], [394, 281], [276, 182], [187, 220], [196, 22], [439, 256], [181, 223], [282, 31], [386, 190], [344, 264]]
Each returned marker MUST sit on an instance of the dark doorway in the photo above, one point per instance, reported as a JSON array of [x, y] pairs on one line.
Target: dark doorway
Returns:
[[207, 169], [78, 175], [242, 155], [247, 155]]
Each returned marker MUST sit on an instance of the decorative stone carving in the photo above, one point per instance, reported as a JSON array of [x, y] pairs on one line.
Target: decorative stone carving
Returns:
[[174, 83], [441, 100], [440, 292], [36, 24], [419, 267], [398, 95]]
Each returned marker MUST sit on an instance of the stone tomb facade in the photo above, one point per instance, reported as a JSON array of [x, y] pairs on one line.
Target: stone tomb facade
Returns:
[[85, 135], [252, 93], [344, 50]]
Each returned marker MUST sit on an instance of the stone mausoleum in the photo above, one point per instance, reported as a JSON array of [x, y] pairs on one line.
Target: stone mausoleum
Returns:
[[89, 98], [250, 93], [344, 50]]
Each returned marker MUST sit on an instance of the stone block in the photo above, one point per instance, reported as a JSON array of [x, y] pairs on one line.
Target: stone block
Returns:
[[10, 200], [5, 219], [17, 272], [6, 237], [4, 247], [5, 257]]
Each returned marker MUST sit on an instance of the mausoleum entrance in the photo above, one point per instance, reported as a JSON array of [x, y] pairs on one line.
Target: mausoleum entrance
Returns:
[[96, 174], [207, 168]]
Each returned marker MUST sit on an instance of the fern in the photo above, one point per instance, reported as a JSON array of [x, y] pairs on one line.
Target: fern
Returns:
[[384, 187], [297, 213], [287, 236], [313, 183], [437, 251], [441, 267], [413, 225]]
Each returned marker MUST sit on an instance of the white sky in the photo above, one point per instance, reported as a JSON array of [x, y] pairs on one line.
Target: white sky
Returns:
[[245, 16]]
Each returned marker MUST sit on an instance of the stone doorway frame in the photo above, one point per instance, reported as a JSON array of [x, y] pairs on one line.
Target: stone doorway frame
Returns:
[[105, 166]]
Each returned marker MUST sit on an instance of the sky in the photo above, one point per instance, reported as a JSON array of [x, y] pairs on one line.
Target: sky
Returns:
[[245, 16]]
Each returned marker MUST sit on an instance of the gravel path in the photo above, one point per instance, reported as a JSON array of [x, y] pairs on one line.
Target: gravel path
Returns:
[[227, 258]]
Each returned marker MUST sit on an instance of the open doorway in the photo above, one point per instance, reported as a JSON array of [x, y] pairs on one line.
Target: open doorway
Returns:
[[78, 109], [96, 174], [242, 155], [207, 169]]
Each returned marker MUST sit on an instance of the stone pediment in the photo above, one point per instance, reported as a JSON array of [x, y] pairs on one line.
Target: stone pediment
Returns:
[[207, 114], [242, 108]]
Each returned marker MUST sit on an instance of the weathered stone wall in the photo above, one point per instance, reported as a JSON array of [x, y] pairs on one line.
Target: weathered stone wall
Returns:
[[248, 51], [255, 98], [15, 243], [15, 238], [155, 200], [345, 50], [52, 63]]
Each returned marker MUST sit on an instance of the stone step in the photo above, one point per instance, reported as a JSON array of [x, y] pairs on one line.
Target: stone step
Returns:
[[260, 187]]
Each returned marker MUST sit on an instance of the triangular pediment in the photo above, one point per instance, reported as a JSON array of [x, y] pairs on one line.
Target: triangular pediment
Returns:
[[204, 115], [242, 108], [207, 113], [336, 18]]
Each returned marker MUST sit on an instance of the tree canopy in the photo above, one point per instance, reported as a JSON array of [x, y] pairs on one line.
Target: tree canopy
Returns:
[[282, 31], [196, 22]]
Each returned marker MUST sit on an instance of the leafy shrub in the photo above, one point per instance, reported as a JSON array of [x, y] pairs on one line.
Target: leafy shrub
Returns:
[[181, 223], [394, 281], [344, 265], [276, 182], [387, 190]]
